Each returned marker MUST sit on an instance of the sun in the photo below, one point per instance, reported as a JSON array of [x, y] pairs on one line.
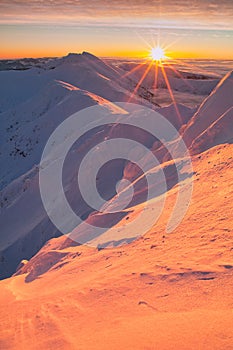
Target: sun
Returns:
[[157, 53]]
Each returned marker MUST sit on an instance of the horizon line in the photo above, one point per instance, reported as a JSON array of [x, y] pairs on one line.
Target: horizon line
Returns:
[[114, 57]]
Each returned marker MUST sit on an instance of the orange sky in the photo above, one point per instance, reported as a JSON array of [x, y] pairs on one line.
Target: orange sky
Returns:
[[204, 29]]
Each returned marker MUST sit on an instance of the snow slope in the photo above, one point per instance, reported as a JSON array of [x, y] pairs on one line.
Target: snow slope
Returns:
[[221, 131], [21, 200], [177, 119], [214, 106], [25, 129], [211, 124], [166, 291], [35, 101]]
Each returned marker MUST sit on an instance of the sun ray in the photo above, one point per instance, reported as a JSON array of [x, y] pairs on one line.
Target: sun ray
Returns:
[[133, 70], [156, 76], [141, 81], [180, 76], [144, 41], [166, 47], [158, 58], [171, 93], [152, 39], [158, 38]]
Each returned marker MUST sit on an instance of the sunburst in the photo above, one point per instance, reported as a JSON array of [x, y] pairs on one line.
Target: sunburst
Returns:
[[157, 54], [157, 58]]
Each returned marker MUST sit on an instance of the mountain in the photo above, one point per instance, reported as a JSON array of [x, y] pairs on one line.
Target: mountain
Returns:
[[158, 290], [33, 103], [27, 126], [48, 95]]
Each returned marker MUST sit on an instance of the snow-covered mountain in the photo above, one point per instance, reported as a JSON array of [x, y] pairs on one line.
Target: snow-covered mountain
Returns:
[[161, 291], [35, 101]]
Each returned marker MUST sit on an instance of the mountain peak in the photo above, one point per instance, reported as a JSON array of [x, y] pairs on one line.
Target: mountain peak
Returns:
[[89, 55], [74, 57]]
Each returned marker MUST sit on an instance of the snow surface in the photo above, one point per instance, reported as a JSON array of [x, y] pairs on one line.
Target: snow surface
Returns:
[[165, 291]]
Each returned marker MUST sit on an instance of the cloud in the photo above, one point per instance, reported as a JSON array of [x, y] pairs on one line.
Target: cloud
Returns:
[[120, 12]]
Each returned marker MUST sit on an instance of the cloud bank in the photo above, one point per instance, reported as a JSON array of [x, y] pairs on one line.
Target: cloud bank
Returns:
[[217, 14]]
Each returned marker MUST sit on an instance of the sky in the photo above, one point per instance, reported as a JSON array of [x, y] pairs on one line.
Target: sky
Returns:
[[116, 28]]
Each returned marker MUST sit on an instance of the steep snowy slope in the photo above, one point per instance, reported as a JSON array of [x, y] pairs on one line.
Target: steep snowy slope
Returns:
[[165, 291], [25, 129], [211, 124], [221, 131], [21, 199], [215, 105]]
